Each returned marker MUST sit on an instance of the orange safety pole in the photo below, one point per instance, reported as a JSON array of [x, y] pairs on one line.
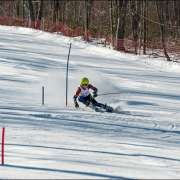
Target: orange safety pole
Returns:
[[3, 137]]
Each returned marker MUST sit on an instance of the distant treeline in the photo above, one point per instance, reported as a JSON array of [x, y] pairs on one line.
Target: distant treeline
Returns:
[[143, 21]]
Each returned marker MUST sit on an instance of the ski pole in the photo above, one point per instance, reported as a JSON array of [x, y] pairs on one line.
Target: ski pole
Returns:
[[104, 94]]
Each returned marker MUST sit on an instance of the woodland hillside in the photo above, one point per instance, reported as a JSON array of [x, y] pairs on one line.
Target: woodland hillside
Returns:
[[135, 26]]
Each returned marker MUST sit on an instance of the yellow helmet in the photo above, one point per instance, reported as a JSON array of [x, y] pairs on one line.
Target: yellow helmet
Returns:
[[84, 81]]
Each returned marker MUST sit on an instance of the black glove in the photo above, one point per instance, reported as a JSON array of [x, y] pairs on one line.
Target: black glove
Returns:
[[95, 94], [76, 105], [75, 102]]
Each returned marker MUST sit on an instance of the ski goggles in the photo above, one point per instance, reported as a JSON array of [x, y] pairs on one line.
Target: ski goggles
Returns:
[[85, 84]]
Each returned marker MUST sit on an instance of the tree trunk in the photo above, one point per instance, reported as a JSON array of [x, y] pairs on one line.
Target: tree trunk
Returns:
[[88, 6], [111, 22], [177, 18], [160, 11], [144, 26], [18, 8], [31, 11], [63, 8], [135, 7], [120, 33], [55, 12], [39, 16]]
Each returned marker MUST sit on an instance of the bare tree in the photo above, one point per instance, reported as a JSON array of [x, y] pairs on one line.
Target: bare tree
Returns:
[[135, 7], [56, 7], [88, 6], [145, 4], [31, 11], [111, 8], [40, 14], [176, 18], [160, 11], [121, 23]]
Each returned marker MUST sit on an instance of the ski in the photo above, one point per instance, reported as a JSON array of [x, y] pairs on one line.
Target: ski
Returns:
[[104, 108]]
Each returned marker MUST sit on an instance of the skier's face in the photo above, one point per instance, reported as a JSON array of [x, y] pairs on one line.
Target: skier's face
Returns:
[[84, 85]]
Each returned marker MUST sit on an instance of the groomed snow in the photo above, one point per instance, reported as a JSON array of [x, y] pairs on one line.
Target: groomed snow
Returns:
[[53, 141]]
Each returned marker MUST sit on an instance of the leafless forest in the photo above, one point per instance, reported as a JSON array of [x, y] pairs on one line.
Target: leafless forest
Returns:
[[134, 26]]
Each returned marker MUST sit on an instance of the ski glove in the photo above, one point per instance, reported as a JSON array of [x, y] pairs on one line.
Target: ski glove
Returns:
[[76, 105], [95, 94], [75, 102]]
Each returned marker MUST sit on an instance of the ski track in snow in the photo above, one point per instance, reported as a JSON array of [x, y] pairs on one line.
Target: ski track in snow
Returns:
[[140, 140]]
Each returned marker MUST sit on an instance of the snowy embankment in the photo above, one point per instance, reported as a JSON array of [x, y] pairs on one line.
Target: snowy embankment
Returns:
[[54, 141]]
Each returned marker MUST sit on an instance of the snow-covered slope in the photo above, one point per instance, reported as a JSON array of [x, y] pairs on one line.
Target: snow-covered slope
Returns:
[[54, 141]]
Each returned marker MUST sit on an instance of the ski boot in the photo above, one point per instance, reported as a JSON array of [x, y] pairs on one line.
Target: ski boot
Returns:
[[108, 108]]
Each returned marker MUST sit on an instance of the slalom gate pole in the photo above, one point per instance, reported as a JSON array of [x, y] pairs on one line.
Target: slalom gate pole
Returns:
[[2, 150], [42, 95], [67, 70]]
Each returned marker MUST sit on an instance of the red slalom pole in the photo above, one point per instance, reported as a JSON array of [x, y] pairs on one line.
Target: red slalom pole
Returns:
[[3, 136]]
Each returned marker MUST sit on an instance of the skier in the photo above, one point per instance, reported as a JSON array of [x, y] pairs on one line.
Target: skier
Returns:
[[85, 97]]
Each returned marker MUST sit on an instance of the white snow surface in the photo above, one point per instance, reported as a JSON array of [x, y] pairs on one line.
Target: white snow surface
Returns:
[[141, 140]]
